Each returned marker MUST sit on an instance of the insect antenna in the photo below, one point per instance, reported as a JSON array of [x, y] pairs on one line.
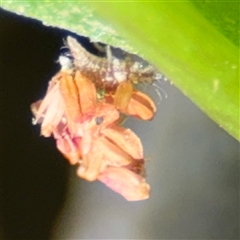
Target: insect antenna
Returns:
[[160, 90]]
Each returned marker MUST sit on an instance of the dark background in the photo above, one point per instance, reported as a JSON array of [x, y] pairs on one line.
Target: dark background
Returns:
[[194, 169], [34, 174]]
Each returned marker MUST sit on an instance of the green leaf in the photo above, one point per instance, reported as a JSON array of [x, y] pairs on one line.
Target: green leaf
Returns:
[[195, 44]]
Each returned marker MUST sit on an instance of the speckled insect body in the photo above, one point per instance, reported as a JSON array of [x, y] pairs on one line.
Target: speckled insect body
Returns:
[[108, 72]]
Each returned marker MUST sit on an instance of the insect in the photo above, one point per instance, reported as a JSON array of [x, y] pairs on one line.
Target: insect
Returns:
[[116, 78], [85, 122]]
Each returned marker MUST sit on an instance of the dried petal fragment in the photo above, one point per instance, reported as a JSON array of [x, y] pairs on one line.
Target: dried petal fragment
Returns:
[[50, 110], [123, 95], [125, 139], [87, 93], [91, 126], [123, 181], [70, 148], [101, 154], [111, 153], [54, 115], [90, 168], [141, 106], [69, 92], [108, 113]]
